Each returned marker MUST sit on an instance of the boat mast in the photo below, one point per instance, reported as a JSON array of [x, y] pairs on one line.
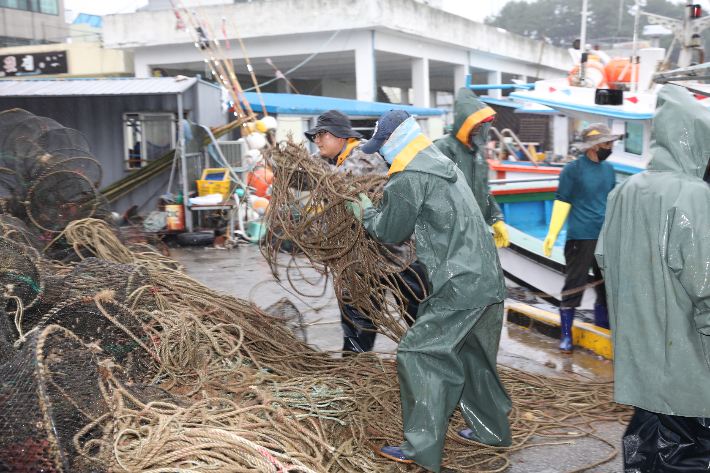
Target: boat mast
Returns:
[[583, 43], [634, 55]]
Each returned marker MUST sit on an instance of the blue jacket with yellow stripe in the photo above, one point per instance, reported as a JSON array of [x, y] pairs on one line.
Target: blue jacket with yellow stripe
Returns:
[[427, 195]]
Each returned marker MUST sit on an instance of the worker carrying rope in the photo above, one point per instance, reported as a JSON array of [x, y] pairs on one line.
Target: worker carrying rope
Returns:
[[448, 357], [654, 250], [341, 146], [465, 147]]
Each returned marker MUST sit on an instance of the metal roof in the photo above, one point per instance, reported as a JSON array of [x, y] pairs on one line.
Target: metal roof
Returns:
[[83, 87], [501, 102], [314, 105]]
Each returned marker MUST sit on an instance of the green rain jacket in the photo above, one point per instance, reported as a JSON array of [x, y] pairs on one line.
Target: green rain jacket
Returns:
[[654, 249], [454, 342], [469, 111], [426, 195]]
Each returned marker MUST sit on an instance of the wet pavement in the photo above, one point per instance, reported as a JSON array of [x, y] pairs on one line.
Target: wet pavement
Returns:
[[244, 273]]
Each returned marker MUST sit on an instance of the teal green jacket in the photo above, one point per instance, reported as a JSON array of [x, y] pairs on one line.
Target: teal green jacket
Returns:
[[654, 249], [469, 111], [427, 195]]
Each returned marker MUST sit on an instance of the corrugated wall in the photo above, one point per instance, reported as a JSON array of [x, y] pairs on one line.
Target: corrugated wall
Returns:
[[100, 119], [209, 105]]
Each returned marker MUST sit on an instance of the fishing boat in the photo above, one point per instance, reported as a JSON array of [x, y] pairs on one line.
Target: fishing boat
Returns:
[[525, 191]]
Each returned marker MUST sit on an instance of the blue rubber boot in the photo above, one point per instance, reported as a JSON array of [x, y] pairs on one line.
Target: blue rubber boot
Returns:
[[466, 433], [566, 321], [395, 453], [601, 316]]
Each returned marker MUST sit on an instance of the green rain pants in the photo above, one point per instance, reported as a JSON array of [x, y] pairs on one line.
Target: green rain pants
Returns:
[[448, 358]]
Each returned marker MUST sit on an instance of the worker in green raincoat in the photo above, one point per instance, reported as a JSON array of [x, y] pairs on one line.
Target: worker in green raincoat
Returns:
[[465, 147], [654, 251], [448, 357]]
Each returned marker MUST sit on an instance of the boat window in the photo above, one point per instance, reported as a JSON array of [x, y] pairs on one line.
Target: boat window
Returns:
[[633, 142]]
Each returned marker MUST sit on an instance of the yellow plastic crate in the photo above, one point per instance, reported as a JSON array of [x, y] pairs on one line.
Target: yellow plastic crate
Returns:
[[213, 187], [214, 181]]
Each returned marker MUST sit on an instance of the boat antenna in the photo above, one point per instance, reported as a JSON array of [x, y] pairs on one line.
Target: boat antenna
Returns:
[[634, 55], [583, 44]]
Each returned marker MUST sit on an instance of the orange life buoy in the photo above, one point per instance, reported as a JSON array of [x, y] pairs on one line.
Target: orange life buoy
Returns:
[[619, 70], [594, 72]]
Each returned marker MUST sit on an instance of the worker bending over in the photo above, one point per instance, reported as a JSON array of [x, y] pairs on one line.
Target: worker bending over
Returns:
[[581, 194], [341, 146], [465, 147], [448, 357], [654, 250]]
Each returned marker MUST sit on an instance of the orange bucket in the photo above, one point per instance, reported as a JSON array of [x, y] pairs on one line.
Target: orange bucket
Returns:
[[175, 217]]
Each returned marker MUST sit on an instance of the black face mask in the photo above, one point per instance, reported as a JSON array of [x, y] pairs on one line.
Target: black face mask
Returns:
[[603, 153]]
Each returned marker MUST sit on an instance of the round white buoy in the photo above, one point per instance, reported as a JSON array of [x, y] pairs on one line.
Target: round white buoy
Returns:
[[256, 141]]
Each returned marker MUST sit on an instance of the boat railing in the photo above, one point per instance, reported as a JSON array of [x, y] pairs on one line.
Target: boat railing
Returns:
[[507, 131], [556, 177]]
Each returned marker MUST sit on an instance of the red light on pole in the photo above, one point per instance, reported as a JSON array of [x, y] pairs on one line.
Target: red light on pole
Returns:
[[695, 11]]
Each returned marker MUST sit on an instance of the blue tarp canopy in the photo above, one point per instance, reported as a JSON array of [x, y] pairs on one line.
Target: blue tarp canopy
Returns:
[[314, 105], [91, 20]]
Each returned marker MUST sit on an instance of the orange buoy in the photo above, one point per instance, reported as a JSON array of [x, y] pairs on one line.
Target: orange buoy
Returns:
[[619, 70], [261, 180], [593, 71], [260, 205]]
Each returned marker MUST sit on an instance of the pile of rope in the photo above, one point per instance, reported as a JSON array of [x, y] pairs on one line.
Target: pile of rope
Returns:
[[307, 209], [227, 387]]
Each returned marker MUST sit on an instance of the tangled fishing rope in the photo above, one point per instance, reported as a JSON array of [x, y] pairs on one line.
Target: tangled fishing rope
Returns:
[[307, 209], [230, 388]]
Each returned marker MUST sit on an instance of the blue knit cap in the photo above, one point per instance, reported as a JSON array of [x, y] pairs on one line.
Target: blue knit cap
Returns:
[[383, 129]]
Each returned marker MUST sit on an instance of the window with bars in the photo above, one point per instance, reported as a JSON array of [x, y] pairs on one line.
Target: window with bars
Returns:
[[148, 136]]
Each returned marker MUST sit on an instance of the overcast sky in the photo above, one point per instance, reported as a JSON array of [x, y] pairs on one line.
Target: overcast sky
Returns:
[[103, 7], [474, 9], [464, 8]]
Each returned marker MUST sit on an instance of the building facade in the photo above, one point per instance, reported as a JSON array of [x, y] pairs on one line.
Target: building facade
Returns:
[[72, 51], [356, 49], [24, 22]]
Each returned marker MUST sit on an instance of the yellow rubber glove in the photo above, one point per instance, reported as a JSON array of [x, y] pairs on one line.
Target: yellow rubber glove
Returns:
[[559, 214], [500, 235]]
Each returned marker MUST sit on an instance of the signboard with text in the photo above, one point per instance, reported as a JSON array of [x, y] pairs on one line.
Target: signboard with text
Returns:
[[34, 64]]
